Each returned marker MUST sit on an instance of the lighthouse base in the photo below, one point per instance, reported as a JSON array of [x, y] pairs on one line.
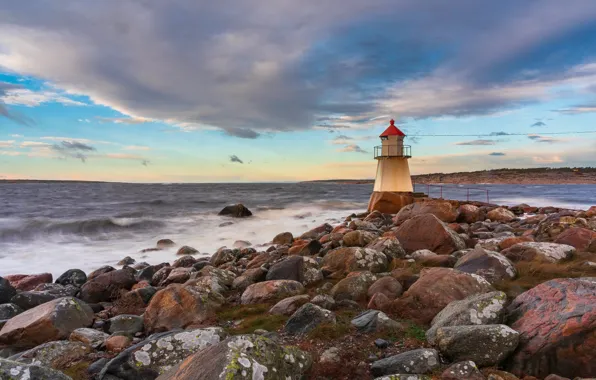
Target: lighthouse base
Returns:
[[389, 202]]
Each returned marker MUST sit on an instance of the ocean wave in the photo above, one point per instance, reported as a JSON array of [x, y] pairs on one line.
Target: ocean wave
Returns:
[[29, 229]]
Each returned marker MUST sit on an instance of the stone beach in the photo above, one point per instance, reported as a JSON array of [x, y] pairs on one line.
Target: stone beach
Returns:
[[440, 290]]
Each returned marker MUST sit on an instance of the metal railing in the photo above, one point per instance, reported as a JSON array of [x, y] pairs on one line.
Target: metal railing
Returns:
[[452, 191], [385, 151]]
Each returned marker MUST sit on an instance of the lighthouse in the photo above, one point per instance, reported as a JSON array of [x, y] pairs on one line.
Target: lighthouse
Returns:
[[393, 184]]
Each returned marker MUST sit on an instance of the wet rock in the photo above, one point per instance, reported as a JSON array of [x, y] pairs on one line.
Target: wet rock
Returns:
[[117, 343], [389, 246], [160, 276], [178, 306], [100, 271], [557, 325], [249, 277], [184, 262], [354, 287], [305, 248], [462, 370], [59, 355], [9, 310], [436, 288], [29, 300], [344, 260], [479, 309], [160, 352], [493, 266], [126, 261], [289, 305], [243, 357], [10, 369], [75, 277], [324, 300], [222, 256], [443, 210], [290, 268], [186, 250], [427, 232], [135, 301], [269, 291], [53, 320], [579, 238], [358, 238], [389, 286], [317, 232], [165, 243], [7, 291], [485, 345], [419, 361], [235, 211], [500, 214], [374, 320], [25, 282], [469, 213], [283, 238], [308, 317], [550, 252], [240, 244], [129, 324], [106, 287], [90, 337]]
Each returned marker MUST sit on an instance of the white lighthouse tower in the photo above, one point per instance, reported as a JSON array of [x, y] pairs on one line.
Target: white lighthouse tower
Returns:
[[393, 184]]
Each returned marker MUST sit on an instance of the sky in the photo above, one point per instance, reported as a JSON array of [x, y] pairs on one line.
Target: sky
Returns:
[[280, 90]]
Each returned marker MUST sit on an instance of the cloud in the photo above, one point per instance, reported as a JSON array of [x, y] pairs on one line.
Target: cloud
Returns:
[[576, 110], [29, 98], [477, 142], [341, 140], [72, 149], [84, 121], [246, 72], [17, 136], [546, 139], [136, 147], [497, 154], [34, 144], [538, 124], [547, 159], [14, 116], [124, 120], [352, 148], [6, 144], [145, 162], [499, 134], [234, 158]]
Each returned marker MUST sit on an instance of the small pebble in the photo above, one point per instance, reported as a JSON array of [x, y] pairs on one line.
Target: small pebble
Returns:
[[381, 343]]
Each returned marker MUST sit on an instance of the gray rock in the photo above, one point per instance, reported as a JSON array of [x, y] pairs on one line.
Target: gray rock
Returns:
[[249, 277], [374, 320], [48, 353], [291, 268], [462, 370], [289, 305], [307, 318], [486, 345], [130, 324], [29, 300], [324, 300], [243, 357], [90, 337], [126, 261], [421, 361], [491, 265], [9, 310], [381, 343], [10, 370], [422, 254], [160, 352], [479, 309], [7, 291], [331, 355]]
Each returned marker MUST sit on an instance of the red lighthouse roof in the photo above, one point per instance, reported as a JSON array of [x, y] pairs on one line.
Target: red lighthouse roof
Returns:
[[392, 130]]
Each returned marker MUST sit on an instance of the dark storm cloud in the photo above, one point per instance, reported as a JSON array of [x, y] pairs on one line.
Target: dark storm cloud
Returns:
[[286, 65], [5, 112], [72, 149], [234, 158], [538, 124]]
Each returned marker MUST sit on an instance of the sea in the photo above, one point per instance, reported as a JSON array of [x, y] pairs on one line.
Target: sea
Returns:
[[56, 226]]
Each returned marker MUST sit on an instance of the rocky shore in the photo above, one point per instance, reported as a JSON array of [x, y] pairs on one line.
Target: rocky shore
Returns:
[[441, 290]]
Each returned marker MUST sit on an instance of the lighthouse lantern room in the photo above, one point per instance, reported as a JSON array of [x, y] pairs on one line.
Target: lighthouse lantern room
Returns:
[[393, 173]]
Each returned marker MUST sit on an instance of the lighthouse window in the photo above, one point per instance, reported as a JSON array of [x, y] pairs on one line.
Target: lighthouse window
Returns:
[[384, 138]]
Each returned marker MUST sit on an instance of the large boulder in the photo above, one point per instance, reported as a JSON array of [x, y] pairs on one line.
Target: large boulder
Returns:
[[235, 211], [443, 210], [306, 318], [344, 260], [249, 277], [290, 268], [283, 238], [243, 357], [389, 246], [289, 305], [557, 325], [9, 310], [469, 213], [358, 238], [179, 306], [89, 337], [580, 238], [53, 320], [550, 252], [7, 291], [75, 277], [426, 231], [10, 369], [493, 266], [500, 214], [160, 352], [486, 345], [26, 282], [388, 286], [106, 286], [59, 355], [479, 309], [437, 288], [47, 292], [421, 361], [269, 291], [354, 287], [388, 202]]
